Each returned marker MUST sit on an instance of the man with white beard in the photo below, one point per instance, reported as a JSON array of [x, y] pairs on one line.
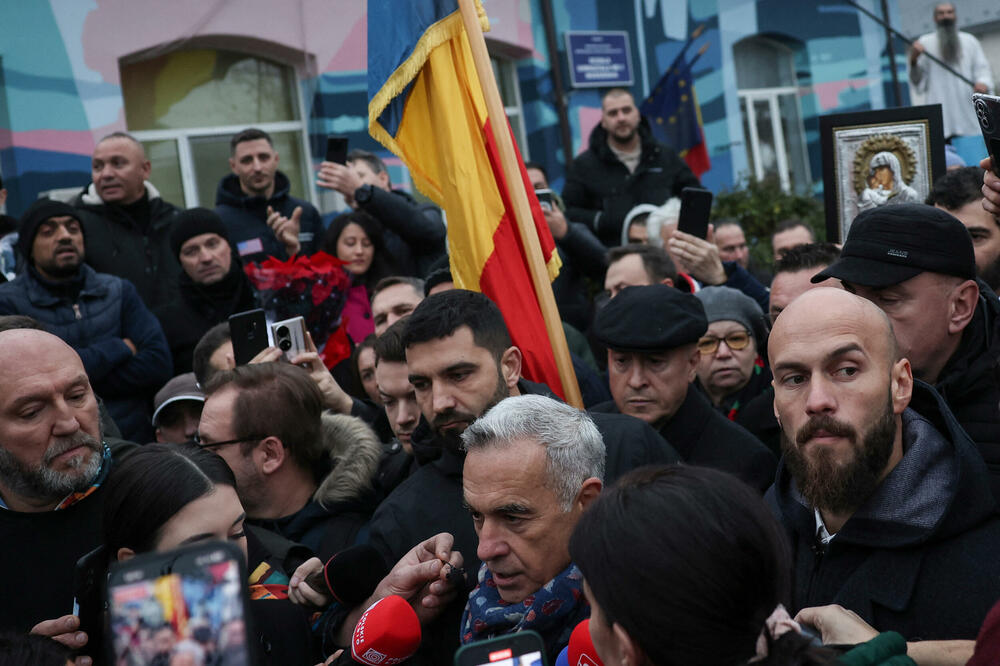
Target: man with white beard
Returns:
[[964, 54]]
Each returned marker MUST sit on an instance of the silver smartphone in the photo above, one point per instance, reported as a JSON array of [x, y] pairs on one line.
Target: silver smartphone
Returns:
[[289, 335]]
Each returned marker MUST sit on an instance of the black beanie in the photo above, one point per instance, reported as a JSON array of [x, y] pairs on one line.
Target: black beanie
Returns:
[[39, 212], [194, 222]]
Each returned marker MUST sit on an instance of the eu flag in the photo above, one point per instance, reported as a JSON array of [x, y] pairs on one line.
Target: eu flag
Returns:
[[675, 118]]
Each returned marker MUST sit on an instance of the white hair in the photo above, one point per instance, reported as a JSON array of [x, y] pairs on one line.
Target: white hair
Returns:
[[574, 448]]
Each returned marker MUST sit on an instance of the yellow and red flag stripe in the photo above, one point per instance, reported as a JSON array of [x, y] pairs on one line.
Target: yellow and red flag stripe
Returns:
[[426, 106]]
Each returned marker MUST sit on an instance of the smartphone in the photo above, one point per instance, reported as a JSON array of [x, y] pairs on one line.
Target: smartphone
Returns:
[[289, 336], [525, 648], [336, 149], [249, 333], [544, 198], [988, 113], [89, 603], [696, 206], [189, 605]]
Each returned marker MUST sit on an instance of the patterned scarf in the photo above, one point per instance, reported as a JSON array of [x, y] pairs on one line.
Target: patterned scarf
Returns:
[[102, 474], [553, 611]]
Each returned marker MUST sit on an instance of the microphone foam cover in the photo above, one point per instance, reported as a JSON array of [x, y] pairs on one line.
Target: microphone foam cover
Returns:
[[581, 648], [353, 574], [387, 633]]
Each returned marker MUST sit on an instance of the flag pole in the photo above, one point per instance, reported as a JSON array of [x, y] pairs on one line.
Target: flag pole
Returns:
[[519, 199]]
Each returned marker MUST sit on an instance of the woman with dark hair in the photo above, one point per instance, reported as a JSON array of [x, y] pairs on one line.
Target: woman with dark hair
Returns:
[[165, 496], [356, 239], [686, 565]]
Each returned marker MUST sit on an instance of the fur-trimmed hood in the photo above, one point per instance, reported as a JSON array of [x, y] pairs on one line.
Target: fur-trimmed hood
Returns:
[[354, 451]]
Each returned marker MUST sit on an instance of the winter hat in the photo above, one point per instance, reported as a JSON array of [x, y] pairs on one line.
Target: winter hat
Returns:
[[195, 222]]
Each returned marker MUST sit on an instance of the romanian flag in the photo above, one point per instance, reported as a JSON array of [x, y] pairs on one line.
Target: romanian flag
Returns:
[[426, 106], [675, 117]]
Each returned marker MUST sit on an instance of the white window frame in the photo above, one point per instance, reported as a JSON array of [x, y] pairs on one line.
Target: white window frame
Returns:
[[506, 68], [183, 139]]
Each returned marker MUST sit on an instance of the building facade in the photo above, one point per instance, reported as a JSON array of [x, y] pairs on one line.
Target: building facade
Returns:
[[186, 75]]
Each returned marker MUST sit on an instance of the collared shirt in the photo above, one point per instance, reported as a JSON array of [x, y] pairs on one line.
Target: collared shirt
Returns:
[[822, 533]]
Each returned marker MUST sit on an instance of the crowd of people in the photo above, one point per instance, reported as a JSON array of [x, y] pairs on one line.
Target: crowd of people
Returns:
[[788, 464]]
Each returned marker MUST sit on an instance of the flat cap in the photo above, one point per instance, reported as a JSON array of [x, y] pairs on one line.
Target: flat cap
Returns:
[[650, 319], [891, 244]]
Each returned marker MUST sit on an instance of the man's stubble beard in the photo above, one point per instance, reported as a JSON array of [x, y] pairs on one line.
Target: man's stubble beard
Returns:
[[841, 489], [452, 438]]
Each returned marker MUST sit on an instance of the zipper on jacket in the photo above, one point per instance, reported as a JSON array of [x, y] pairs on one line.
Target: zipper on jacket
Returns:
[[76, 311]]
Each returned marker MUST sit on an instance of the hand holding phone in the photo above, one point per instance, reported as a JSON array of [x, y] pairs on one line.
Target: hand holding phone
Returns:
[[248, 331], [289, 336]]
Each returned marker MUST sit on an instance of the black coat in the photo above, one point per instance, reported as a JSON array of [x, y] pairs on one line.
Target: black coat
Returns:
[[583, 257], [414, 232], [199, 308], [430, 501], [703, 436], [920, 555], [118, 244], [600, 191], [970, 382]]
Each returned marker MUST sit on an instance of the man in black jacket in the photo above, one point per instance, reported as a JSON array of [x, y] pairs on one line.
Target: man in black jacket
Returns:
[[652, 333], [461, 362], [885, 499], [262, 217], [302, 473], [53, 458], [414, 232], [126, 223], [212, 284], [916, 262], [622, 167]]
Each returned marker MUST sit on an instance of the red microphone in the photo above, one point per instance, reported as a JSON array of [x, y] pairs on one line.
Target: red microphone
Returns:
[[387, 633], [581, 649]]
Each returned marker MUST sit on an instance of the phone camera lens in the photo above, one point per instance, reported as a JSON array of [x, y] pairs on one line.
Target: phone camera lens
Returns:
[[284, 344]]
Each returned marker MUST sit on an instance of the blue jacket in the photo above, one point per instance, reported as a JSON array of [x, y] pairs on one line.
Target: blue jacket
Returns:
[[245, 218], [106, 310]]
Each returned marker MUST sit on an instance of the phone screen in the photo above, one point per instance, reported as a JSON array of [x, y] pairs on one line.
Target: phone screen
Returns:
[[191, 616], [504, 658]]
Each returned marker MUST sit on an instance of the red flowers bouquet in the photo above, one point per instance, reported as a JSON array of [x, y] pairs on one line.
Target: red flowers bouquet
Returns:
[[314, 288]]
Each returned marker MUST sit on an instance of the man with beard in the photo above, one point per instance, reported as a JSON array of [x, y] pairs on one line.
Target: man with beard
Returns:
[[623, 166], [461, 361], [52, 463], [916, 262], [960, 193], [101, 316], [885, 499], [212, 284], [964, 54]]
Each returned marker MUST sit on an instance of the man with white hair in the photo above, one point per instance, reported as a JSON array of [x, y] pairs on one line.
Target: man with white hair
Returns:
[[532, 465], [963, 53]]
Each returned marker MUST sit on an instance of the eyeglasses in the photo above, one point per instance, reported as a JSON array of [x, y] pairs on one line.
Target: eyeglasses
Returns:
[[211, 445], [709, 344]]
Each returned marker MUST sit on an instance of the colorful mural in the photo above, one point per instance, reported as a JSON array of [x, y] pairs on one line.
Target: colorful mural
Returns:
[[60, 69]]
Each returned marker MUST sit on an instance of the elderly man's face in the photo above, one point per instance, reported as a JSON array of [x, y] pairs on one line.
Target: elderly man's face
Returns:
[[651, 387], [838, 395], [522, 528], [50, 436]]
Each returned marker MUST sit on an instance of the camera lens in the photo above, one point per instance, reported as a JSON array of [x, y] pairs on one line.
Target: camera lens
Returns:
[[284, 344], [282, 331]]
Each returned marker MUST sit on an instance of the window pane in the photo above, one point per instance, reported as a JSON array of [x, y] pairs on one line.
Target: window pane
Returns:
[[211, 163], [166, 171], [798, 159], [205, 88], [765, 137]]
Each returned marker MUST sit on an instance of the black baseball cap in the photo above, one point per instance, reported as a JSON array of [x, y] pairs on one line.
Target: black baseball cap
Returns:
[[893, 243]]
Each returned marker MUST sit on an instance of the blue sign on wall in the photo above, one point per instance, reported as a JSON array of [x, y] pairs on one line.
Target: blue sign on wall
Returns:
[[599, 59]]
